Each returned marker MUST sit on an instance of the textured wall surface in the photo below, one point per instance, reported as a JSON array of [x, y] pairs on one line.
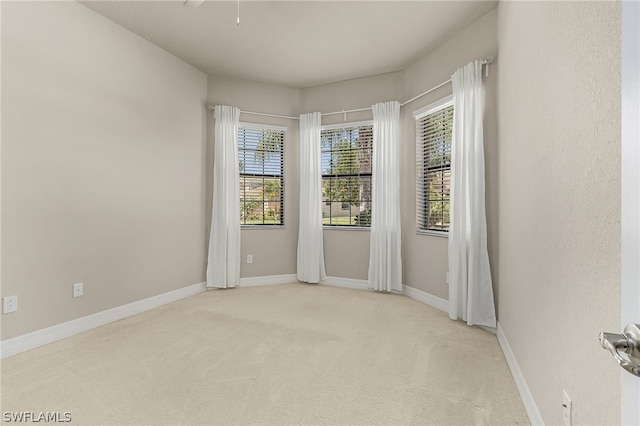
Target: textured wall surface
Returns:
[[559, 200], [102, 165]]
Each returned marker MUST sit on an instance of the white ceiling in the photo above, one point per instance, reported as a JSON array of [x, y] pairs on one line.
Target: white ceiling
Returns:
[[295, 43]]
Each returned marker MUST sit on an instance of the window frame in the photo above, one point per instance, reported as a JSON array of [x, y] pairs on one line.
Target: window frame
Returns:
[[264, 127], [347, 125], [422, 170]]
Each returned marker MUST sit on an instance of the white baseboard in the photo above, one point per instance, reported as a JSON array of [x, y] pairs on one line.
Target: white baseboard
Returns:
[[426, 298], [51, 334], [346, 282], [47, 335], [523, 389], [268, 280], [491, 330]]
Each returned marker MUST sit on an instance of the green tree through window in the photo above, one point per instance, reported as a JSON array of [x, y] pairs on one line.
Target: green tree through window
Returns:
[[346, 175], [433, 157], [261, 156]]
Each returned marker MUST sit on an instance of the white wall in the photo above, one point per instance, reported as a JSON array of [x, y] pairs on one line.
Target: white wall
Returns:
[[347, 250], [559, 200], [274, 250], [425, 256], [106, 177], [102, 165], [105, 100]]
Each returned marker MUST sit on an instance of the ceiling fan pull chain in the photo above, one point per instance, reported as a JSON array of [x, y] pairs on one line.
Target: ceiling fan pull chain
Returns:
[[238, 16]]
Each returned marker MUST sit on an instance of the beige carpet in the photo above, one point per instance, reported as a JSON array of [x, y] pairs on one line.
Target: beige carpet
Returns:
[[288, 354]]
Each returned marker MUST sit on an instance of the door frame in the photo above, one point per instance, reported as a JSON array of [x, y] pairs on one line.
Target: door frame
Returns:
[[630, 220]]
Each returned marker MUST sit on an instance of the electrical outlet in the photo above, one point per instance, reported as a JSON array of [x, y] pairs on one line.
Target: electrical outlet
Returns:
[[249, 258], [78, 289], [9, 304], [566, 408]]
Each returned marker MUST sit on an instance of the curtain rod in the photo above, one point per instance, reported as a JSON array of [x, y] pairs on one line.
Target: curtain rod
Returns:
[[484, 61], [211, 107]]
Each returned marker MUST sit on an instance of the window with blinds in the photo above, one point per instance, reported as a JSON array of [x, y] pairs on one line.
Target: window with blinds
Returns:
[[434, 125], [261, 159], [346, 152]]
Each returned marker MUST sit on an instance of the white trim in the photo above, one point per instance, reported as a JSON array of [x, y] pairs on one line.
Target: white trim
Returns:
[[346, 227], [268, 280], [630, 201], [491, 330], [426, 298], [435, 302], [262, 227], [258, 126], [347, 125], [433, 107], [441, 234], [57, 332], [523, 389], [347, 283]]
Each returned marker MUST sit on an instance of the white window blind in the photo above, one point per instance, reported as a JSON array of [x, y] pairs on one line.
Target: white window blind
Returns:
[[347, 152], [261, 165], [434, 126]]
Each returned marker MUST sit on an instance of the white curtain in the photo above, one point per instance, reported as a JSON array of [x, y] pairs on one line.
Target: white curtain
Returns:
[[310, 244], [223, 268], [385, 262], [470, 290]]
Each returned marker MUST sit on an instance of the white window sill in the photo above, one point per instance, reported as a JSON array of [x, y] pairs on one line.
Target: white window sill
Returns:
[[261, 227], [441, 234], [347, 228]]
